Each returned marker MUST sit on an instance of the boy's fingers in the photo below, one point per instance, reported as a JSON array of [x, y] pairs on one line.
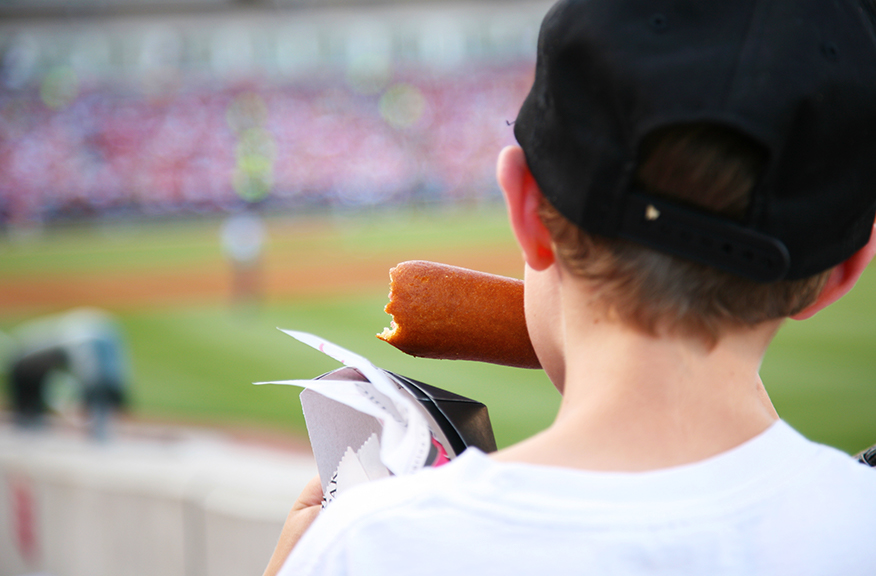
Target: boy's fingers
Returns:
[[301, 516], [311, 495]]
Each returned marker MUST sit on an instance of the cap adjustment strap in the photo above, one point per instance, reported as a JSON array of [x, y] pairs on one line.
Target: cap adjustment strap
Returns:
[[703, 238]]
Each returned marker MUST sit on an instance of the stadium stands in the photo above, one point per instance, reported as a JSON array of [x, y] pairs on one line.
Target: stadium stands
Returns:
[[348, 114]]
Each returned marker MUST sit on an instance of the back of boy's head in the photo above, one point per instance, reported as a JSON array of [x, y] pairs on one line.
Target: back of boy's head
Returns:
[[705, 164]]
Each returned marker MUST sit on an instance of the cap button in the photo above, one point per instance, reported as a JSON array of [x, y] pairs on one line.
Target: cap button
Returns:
[[659, 22], [830, 51]]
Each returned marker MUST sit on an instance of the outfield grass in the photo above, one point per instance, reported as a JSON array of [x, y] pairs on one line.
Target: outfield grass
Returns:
[[196, 363], [200, 362], [127, 247], [821, 372]]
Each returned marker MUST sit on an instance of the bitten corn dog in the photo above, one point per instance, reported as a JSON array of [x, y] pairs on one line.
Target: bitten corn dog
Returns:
[[441, 311]]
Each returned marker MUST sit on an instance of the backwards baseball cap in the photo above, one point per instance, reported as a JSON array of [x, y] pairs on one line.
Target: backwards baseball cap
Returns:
[[798, 77]]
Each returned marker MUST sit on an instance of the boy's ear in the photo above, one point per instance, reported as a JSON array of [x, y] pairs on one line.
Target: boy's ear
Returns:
[[842, 278], [522, 198]]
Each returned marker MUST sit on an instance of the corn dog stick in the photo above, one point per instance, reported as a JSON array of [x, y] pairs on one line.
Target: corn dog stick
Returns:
[[447, 312]]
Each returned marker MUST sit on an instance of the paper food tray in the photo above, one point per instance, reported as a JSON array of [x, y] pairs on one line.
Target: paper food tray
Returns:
[[367, 423], [455, 421]]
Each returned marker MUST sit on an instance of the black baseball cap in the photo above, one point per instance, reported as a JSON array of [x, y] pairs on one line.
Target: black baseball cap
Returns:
[[796, 76]]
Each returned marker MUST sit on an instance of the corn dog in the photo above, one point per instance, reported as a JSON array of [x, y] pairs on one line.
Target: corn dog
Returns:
[[447, 312]]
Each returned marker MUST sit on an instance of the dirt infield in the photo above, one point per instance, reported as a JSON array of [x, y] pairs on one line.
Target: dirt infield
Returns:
[[213, 282]]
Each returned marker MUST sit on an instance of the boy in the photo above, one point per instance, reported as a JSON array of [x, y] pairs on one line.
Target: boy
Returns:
[[691, 174]]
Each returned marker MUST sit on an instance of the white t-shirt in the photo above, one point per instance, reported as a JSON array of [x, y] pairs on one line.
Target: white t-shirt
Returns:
[[777, 504]]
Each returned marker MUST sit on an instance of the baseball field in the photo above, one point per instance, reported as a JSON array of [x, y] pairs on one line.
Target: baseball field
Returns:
[[194, 351]]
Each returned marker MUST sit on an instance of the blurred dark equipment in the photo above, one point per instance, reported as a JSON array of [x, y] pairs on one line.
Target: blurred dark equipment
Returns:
[[27, 373], [82, 350]]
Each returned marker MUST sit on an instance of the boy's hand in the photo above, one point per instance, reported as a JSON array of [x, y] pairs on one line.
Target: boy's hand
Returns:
[[300, 517]]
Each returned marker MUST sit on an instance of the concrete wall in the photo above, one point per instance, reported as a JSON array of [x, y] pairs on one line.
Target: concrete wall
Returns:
[[197, 505]]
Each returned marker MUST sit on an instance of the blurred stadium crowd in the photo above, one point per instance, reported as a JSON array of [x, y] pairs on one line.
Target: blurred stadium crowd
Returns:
[[206, 149], [75, 145]]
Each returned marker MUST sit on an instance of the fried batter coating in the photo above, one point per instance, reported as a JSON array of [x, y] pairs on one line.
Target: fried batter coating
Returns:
[[448, 312]]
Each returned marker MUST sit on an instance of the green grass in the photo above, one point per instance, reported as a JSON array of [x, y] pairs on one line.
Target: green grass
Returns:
[[196, 363], [821, 372], [116, 247], [126, 247], [199, 363]]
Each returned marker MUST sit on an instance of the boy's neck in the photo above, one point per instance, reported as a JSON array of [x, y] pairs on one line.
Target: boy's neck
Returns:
[[635, 402]]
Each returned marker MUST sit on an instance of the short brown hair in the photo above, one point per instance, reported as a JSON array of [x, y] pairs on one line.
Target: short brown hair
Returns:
[[713, 168]]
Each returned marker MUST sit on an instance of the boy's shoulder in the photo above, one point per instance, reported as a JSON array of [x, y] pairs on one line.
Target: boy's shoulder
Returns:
[[778, 465], [776, 497]]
